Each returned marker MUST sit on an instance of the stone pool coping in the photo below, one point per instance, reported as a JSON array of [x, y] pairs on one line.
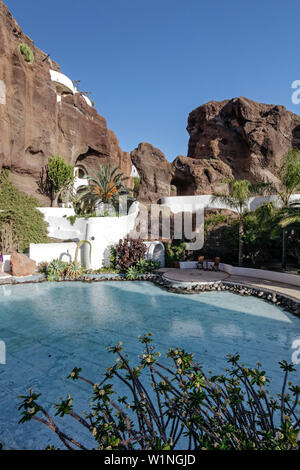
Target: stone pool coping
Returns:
[[240, 287]]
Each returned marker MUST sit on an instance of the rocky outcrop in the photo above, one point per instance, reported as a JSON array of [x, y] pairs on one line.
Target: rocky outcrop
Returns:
[[21, 265], [34, 125], [236, 138], [155, 172], [240, 137]]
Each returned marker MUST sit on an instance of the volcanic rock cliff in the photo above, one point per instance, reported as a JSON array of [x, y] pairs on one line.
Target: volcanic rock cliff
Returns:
[[35, 123], [237, 138]]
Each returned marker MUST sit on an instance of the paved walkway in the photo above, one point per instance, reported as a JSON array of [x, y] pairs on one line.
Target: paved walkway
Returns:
[[278, 287], [193, 275]]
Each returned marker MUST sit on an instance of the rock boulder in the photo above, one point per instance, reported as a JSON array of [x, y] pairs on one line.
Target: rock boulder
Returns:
[[21, 265], [155, 172]]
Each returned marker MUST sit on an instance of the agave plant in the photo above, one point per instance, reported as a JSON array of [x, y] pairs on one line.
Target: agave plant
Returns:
[[147, 265], [105, 185], [74, 270], [57, 268], [132, 273]]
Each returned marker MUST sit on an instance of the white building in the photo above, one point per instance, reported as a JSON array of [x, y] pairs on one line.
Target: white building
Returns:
[[64, 84]]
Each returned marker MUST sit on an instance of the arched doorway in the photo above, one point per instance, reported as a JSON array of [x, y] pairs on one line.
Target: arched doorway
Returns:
[[80, 174]]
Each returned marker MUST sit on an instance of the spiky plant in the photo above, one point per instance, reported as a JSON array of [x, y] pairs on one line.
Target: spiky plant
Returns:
[[57, 268], [74, 270], [132, 273], [105, 185]]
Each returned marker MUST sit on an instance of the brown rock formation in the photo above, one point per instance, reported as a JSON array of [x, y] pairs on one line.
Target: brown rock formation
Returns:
[[236, 138], [21, 265], [155, 172], [34, 125], [240, 137]]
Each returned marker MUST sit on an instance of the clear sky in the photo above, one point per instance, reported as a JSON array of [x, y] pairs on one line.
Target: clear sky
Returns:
[[149, 63]]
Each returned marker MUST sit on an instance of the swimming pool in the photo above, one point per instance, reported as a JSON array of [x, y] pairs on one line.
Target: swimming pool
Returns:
[[50, 328]]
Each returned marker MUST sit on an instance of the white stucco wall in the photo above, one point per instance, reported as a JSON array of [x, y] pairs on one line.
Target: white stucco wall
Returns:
[[192, 203], [59, 226], [102, 232], [41, 252], [292, 279], [63, 80]]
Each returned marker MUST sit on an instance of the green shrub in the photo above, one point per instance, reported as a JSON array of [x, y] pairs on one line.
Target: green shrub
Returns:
[[61, 177], [43, 267], [113, 257], [214, 220], [174, 252], [28, 222], [137, 183], [185, 409], [27, 53], [105, 270]]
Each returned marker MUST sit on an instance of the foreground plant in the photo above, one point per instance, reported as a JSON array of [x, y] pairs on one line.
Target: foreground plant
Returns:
[[185, 409]]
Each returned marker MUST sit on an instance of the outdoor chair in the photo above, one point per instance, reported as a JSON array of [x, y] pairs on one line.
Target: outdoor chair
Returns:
[[216, 266], [200, 264]]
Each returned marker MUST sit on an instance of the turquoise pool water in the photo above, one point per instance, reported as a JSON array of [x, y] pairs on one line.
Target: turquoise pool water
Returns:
[[51, 328]]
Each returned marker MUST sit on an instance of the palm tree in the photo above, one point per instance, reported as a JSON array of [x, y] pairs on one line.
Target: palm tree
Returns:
[[237, 198], [289, 176], [287, 217], [105, 185]]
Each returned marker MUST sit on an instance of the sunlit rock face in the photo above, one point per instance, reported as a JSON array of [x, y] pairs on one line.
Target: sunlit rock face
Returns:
[[35, 123], [237, 138], [154, 170], [240, 137]]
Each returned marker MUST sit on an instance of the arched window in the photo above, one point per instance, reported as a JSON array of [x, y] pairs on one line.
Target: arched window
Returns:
[[80, 172]]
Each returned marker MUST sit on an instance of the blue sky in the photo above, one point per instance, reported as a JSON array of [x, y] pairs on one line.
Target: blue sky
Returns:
[[149, 63]]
